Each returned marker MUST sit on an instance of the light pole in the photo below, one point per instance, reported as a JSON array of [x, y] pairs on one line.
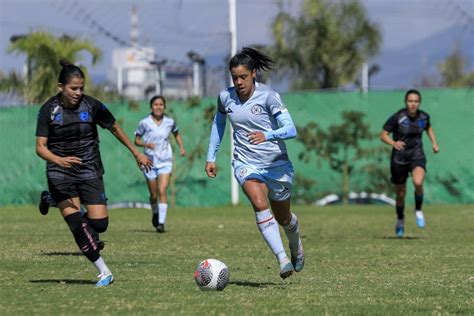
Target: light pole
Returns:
[[198, 62], [159, 78]]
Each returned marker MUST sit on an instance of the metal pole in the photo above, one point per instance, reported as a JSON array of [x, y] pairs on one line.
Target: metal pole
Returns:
[[365, 77], [234, 186]]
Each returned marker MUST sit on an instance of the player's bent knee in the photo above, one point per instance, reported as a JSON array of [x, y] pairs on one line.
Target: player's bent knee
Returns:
[[99, 225]]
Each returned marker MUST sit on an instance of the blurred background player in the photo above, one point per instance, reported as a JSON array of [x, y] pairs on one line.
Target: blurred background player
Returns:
[[67, 138], [153, 134], [407, 126], [261, 165]]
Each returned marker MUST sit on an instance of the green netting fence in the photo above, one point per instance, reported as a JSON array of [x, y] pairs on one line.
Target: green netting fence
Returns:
[[450, 177]]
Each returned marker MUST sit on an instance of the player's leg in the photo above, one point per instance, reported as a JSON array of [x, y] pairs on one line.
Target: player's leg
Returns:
[[153, 198], [280, 182], [399, 177], [46, 201], [418, 176], [257, 194], [164, 175], [92, 195]]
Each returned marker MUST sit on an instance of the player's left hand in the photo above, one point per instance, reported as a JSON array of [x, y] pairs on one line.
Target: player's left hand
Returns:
[[256, 137], [144, 162], [435, 148], [182, 151]]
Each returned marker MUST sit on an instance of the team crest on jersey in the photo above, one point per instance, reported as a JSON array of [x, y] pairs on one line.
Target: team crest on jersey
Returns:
[[421, 123], [57, 118], [84, 116], [256, 109], [242, 172], [229, 110]]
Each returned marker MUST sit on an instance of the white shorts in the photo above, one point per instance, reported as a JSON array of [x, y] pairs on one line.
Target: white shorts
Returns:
[[279, 179], [155, 172]]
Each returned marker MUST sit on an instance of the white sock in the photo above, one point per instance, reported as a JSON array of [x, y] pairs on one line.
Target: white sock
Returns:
[[292, 232], [162, 210], [101, 266], [154, 208], [419, 214], [268, 227]]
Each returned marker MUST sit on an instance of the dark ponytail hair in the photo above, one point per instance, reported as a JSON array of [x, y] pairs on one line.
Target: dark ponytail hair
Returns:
[[251, 58], [412, 91], [156, 97], [69, 71]]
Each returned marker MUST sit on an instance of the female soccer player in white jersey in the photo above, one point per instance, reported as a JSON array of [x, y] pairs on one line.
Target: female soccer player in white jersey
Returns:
[[261, 123], [153, 134]]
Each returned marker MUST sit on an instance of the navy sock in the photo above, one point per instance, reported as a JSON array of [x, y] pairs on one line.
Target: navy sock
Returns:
[[400, 211], [418, 201]]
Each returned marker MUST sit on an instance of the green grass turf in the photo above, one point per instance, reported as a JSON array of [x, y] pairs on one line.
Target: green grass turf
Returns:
[[354, 265]]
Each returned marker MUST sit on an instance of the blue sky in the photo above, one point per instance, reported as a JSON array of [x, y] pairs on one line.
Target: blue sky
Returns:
[[174, 27]]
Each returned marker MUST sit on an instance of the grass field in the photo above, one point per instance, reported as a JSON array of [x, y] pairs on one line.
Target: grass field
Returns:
[[354, 265]]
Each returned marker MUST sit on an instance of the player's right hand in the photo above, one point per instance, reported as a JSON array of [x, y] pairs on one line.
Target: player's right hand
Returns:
[[399, 145], [211, 169], [144, 163], [68, 162]]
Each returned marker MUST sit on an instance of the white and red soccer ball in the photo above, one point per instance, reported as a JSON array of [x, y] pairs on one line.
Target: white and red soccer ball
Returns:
[[211, 275]]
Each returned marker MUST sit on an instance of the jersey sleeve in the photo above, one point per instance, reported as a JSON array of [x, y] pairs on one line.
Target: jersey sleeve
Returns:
[[391, 124], [140, 131], [174, 127], [43, 121], [220, 106], [103, 117], [428, 122], [275, 105]]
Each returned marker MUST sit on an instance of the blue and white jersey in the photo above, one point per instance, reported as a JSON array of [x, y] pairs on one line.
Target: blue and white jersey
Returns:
[[157, 134], [259, 113]]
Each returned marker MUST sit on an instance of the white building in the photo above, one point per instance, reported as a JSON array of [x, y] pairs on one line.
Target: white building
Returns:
[[135, 77]]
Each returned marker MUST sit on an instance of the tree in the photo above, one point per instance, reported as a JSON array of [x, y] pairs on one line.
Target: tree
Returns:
[[453, 70], [341, 146], [326, 45], [43, 51]]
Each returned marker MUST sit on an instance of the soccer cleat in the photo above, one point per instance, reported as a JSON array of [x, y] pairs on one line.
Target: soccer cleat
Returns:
[[154, 219], [45, 201], [420, 219], [105, 279], [298, 260], [399, 228], [286, 270], [160, 228]]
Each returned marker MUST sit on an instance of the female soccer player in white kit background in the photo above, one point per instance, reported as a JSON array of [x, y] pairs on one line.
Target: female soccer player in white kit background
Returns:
[[261, 165], [153, 134]]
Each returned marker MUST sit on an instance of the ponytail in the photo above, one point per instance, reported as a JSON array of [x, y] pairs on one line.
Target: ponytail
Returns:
[[251, 58]]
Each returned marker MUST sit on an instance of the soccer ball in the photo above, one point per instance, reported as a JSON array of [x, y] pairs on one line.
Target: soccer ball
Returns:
[[211, 275]]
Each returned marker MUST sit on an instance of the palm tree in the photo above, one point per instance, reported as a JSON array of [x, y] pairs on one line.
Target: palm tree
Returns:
[[326, 45], [43, 51]]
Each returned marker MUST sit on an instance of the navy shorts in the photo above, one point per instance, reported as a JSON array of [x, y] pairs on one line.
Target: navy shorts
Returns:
[[401, 172], [90, 192]]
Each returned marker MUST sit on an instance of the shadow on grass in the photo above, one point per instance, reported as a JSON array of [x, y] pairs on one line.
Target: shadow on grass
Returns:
[[401, 238], [63, 281], [252, 284], [151, 230], [62, 253]]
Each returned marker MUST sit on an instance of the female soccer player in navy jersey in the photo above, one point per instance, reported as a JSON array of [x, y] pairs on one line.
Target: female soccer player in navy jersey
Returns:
[[153, 133], [407, 127], [261, 123], [67, 138]]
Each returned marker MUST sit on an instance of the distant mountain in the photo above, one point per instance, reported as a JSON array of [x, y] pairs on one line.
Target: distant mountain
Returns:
[[403, 68]]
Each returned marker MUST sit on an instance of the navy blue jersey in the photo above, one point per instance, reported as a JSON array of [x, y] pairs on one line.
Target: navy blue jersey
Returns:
[[410, 131], [73, 132]]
